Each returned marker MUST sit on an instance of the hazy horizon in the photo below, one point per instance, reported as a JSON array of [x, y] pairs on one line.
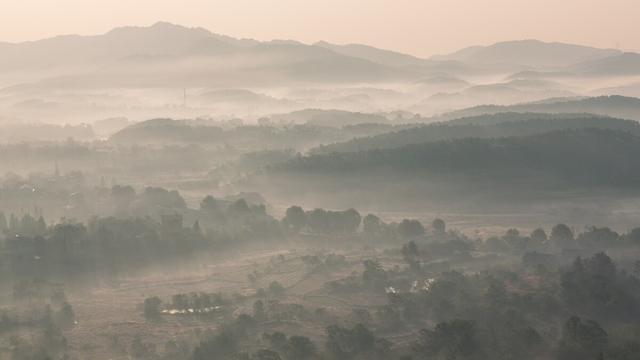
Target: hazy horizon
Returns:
[[372, 22], [319, 180]]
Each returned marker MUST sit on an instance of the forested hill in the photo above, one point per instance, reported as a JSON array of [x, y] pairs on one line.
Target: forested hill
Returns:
[[247, 137], [581, 157], [501, 117], [484, 126], [615, 106]]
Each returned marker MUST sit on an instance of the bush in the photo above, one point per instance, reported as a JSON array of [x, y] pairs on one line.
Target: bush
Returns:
[[152, 307]]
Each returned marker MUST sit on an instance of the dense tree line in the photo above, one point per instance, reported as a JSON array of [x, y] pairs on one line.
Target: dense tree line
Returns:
[[488, 126], [583, 157], [246, 137], [155, 225]]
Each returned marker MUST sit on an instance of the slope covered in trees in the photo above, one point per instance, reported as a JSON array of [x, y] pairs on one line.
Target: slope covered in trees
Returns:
[[253, 137], [615, 106], [583, 156], [482, 126]]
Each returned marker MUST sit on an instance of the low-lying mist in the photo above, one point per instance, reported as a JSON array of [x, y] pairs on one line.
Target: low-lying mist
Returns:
[[171, 193]]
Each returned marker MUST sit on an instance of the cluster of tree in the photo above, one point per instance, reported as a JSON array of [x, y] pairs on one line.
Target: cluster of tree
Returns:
[[233, 340], [582, 156], [148, 228], [245, 137], [50, 195], [578, 339], [27, 225], [349, 222], [35, 327], [328, 262], [239, 219], [291, 348], [70, 195], [104, 247], [322, 221], [622, 107], [579, 311], [562, 237], [512, 314], [488, 126], [507, 314]]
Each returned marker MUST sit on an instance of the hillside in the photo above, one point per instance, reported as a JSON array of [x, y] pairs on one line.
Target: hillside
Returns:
[[614, 106], [584, 157], [246, 137], [381, 56], [483, 126], [528, 53], [626, 64], [166, 54], [261, 64], [333, 118], [166, 131]]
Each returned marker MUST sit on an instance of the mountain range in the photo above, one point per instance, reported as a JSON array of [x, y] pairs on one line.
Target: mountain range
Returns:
[[166, 49], [168, 70], [529, 54]]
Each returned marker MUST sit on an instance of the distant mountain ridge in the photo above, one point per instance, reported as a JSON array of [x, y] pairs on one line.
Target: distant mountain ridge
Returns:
[[614, 106], [619, 65], [384, 57], [111, 58], [156, 56], [529, 53]]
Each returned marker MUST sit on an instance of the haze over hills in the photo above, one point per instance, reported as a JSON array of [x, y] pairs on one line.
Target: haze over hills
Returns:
[[171, 193], [482, 126], [623, 64], [270, 136], [587, 155], [160, 39], [165, 41], [465, 173], [614, 106], [142, 72], [384, 57], [165, 45], [528, 54]]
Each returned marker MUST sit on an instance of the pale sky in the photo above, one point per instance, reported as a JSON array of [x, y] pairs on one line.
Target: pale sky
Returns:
[[419, 27]]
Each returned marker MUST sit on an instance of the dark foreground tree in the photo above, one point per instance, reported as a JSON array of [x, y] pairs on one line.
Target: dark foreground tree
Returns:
[[582, 340], [453, 340]]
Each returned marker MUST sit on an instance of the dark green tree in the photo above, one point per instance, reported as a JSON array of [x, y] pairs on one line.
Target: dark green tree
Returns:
[[295, 218], [409, 229], [371, 225], [582, 340], [438, 226], [453, 340], [300, 348], [152, 307]]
